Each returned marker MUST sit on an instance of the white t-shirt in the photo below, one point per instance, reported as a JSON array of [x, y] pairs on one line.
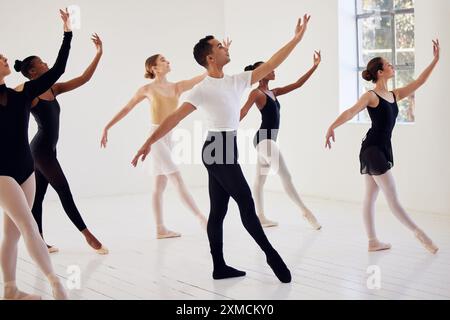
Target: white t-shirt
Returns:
[[220, 99]]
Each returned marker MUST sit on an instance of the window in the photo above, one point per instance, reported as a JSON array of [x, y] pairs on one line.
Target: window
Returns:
[[386, 28]]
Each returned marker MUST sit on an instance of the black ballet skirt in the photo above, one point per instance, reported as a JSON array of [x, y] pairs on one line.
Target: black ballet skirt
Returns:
[[376, 157]]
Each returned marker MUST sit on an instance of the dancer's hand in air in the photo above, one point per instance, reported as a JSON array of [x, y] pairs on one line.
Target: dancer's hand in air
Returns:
[[436, 50], [104, 140], [98, 43], [413, 86], [330, 135], [143, 152], [65, 16], [227, 43], [317, 58], [301, 27]]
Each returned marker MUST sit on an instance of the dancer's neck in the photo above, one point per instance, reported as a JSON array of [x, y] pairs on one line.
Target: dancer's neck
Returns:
[[160, 79], [215, 72], [264, 85], [382, 86]]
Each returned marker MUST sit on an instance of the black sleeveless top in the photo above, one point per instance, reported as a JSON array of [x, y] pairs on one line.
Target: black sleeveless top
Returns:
[[16, 160], [270, 124], [376, 157], [46, 113]]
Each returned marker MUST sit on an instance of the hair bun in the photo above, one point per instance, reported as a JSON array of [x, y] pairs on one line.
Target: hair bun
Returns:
[[367, 76], [249, 68], [18, 65]]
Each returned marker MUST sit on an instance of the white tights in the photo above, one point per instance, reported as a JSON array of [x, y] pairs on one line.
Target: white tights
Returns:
[[270, 158], [386, 183], [158, 191]]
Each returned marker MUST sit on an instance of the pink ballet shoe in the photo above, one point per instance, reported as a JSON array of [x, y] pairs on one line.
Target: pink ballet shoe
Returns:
[[308, 216], [266, 223], [13, 293], [426, 241], [52, 249], [168, 235], [102, 251], [375, 245]]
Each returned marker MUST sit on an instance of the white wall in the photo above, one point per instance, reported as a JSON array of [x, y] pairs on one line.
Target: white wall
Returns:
[[133, 30]]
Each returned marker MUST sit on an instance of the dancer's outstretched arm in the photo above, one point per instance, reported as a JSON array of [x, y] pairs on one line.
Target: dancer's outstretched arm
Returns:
[[300, 82], [252, 99], [367, 99], [164, 128], [404, 92], [137, 98], [278, 58], [186, 85], [36, 87], [87, 74]]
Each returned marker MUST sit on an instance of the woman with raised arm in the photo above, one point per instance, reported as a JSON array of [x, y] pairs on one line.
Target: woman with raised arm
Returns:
[[46, 111], [17, 181], [376, 157], [269, 156], [163, 96]]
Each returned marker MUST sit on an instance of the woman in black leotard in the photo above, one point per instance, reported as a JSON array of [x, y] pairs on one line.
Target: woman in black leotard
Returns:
[[269, 156], [17, 183], [46, 111], [376, 157]]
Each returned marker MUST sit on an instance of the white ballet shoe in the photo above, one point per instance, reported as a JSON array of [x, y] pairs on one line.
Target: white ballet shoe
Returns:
[[375, 245], [308, 216], [426, 241]]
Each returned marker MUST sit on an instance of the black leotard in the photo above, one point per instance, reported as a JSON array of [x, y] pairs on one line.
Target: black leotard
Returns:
[[47, 167], [46, 113], [376, 155], [270, 124], [15, 159]]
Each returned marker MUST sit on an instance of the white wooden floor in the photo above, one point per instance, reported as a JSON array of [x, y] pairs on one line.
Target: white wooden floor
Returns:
[[329, 264]]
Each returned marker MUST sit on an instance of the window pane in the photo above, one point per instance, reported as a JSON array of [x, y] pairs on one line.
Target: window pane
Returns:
[[404, 26], [406, 106], [403, 4], [382, 31], [365, 6], [375, 38]]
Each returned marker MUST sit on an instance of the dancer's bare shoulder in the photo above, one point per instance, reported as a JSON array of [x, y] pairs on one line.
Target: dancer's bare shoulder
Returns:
[[147, 90]]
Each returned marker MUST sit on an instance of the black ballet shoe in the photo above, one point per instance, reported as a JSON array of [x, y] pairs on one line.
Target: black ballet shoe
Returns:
[[279, 268], [227, 272]]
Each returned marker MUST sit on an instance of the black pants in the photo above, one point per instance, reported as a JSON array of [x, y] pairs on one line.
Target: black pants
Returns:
[[48, 171], [226, 180]]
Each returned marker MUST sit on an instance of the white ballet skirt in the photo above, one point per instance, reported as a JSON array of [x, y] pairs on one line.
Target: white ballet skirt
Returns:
[[160, 159]]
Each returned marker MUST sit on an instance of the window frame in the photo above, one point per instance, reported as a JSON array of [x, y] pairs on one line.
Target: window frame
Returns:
[[405, 67]]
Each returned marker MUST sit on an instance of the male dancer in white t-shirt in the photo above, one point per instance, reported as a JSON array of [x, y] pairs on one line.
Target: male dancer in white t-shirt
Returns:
[[219, 97]]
